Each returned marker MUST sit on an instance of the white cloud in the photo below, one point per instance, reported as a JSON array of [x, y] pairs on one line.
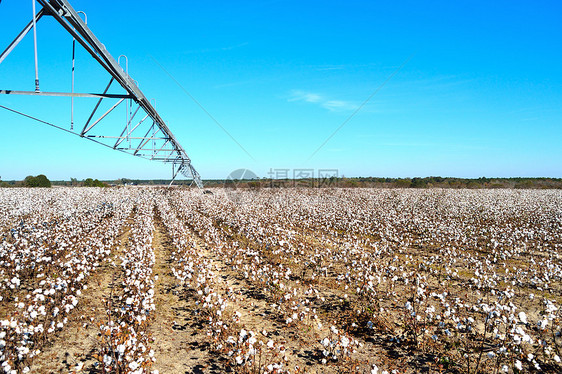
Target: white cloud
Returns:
[[324, 102], [309, 97], [338, 105]]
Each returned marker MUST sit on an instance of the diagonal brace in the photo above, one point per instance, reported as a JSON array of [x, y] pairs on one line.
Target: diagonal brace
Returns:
[[96, 108], [20, 36], [103, 116]]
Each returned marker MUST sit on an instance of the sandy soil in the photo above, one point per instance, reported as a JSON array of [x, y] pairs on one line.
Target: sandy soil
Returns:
[[179, 338]]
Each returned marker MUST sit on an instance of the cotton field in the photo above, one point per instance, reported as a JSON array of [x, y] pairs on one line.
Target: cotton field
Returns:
[[154, 280]]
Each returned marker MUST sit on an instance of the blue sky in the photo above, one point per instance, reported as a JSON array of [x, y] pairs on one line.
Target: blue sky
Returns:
[[479, 95]]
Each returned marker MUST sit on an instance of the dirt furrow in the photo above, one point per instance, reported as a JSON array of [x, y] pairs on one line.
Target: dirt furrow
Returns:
[[75, 346], [179, 338]]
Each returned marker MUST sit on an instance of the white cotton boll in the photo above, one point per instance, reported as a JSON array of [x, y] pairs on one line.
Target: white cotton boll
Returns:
[[518, 365], [326, 342], [523, 317], [243, 334], [133, 365]]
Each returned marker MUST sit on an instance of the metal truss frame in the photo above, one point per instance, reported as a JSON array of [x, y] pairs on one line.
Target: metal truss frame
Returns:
[[145, 133]]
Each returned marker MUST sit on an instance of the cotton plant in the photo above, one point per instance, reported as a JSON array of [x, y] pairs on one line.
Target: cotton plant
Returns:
[[124, 335], [55, 260]]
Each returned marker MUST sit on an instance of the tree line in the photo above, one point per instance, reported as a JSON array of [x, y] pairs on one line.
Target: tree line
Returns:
[[42, 181], [334, 182]]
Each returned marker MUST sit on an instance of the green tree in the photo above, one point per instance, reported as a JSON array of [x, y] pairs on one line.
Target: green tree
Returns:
[[43, 181], [30, 181], [38, 181], [418, 183], [403, 183], [89, 182]]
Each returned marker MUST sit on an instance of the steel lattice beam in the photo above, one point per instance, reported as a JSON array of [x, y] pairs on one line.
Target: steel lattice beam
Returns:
[[158, 142]]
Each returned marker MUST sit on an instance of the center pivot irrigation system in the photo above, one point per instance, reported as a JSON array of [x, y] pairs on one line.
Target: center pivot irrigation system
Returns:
[[145, 134]]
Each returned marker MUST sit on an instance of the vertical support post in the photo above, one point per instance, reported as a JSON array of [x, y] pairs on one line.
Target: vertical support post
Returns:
[[35, 47], [153, 140], [127, 103], [72, 98], [73, 54], [173, 175], [153, 131]]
